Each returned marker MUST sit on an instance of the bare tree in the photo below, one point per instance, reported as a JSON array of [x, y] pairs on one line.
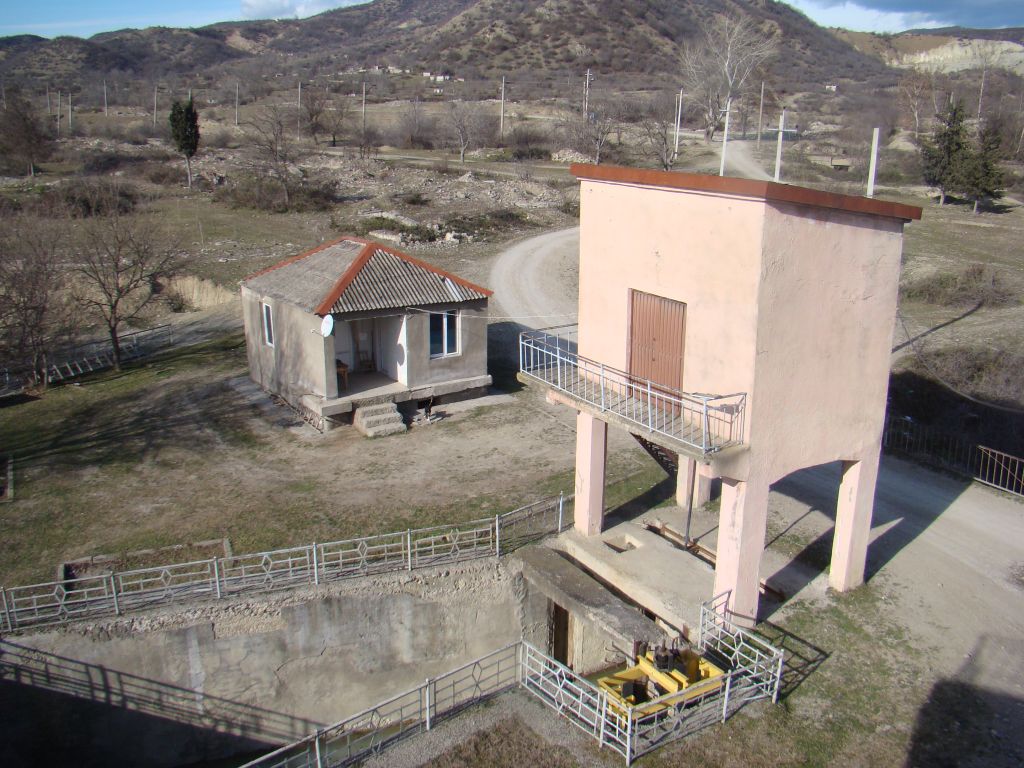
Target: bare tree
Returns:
[[35, 314], [990, 55], [415, 127], [913, 89], [122, 260], [466, 125], [656, 129], [314, 112], [716, 67], [336, 118], [277, 150], [590, 132]]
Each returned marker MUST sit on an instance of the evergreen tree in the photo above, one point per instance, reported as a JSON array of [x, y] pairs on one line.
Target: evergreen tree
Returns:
[[23, 136], [185, 132], [946, 156], [983, 180]]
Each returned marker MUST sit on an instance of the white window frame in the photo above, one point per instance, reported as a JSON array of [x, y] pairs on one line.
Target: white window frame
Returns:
[[267, 322], [446, 316]]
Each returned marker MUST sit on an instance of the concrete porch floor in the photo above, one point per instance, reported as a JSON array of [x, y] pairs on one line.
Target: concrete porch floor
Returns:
[[657, 573], [363, 389]]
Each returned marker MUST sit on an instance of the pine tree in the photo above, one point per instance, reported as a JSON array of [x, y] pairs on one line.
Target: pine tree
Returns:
[[946, 156], [185, 132], [983, 180]]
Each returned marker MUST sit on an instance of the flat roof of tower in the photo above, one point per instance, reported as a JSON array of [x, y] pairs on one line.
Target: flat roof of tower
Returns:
[[769, 191]]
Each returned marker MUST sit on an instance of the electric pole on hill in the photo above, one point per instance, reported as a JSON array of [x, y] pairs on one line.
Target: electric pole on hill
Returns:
[[586, 93], [778, 148], [760, 113], [298, 115], [679, 122], [725, 136], [364, 110], [501, 118]]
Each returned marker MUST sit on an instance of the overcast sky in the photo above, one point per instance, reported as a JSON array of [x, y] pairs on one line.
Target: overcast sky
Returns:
[[87, 17]]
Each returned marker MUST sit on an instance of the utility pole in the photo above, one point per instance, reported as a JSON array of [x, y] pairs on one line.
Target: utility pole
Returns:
[[874, 162], [725, 135], [3, 94], [679, 121], [586, 94], [760, 113], [501, 119], [236, 105], [364, 109], [58, 114], [778, 149], [70, 111], [298, 116], [154, 105], [105, 98]]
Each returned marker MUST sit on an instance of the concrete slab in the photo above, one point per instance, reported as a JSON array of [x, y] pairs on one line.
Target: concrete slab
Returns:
[[648, 569], [583, 596]]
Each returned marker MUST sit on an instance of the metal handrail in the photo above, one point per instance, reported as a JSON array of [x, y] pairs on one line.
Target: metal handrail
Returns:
[[706, 422], [120, 592], [631, 731]]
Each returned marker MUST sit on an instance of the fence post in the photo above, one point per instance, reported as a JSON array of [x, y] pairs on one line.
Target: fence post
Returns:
[[650, 411], [561, 507], [603, 709], [408, 549], [216, 578], [7, 610], [316, 750], [707, 427], [113, 593], [778, 680], [629, 736], [601, 384], [316, 566], [497, 535], [426, 692], [728, 688]]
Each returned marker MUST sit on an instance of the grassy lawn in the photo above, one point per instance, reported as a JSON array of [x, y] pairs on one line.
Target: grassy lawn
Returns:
[[166, 452]]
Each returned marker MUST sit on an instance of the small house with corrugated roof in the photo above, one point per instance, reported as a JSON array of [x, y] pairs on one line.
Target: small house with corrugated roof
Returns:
[[354, 323]]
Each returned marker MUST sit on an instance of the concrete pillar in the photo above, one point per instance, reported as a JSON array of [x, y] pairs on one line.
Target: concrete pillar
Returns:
[[853, 523], [591, 451], [701, 487], [330, 370], [741, 531]]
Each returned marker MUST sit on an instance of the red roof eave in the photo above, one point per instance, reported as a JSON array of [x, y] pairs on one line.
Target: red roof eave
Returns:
[[769, 191]]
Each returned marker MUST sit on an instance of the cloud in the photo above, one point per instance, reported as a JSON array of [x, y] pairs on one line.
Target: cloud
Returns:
[[287, 9], [898, 15]]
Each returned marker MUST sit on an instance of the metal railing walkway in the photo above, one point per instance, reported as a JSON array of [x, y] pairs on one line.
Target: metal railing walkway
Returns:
[[753, 670], [706, 423]]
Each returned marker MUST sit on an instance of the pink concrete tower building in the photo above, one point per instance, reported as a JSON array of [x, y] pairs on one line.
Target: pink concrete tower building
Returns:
[[744, 325]]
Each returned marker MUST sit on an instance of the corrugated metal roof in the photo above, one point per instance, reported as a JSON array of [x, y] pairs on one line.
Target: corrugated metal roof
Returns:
[[387, 281], [306, 280], [351, 275]]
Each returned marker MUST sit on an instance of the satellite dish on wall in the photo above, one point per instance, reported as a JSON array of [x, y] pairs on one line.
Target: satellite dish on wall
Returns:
[[327, 326]]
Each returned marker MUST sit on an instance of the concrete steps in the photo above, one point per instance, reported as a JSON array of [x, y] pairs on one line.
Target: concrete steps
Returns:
[[378, 420]]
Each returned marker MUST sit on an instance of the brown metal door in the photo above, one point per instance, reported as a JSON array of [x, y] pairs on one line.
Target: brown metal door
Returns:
[[656, 334]]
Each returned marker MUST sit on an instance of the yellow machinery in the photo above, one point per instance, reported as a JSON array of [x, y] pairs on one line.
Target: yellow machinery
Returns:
[[662, 678]]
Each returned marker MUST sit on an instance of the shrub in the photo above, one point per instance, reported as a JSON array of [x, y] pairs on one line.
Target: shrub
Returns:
[[974, 284], [86, 197]]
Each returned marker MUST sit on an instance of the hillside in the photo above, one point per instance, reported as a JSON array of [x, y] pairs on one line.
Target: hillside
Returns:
[[538, 38], [950, 49]]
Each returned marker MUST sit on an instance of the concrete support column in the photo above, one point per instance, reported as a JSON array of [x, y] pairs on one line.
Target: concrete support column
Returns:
[[741, 531], [701, 487], [330, 370], [591, 451], [853, 523]]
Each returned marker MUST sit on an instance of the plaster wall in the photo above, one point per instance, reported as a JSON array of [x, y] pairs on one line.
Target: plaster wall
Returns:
[[394, 352], [471, 361], [252, 673], [700, 249], [827, 301], [300, 362]]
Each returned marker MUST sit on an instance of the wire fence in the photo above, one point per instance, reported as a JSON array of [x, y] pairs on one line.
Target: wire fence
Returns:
[[753, 670], [120, 592], [86, 358], [986, 465]]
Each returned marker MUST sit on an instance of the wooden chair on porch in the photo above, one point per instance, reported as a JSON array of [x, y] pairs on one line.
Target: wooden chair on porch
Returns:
[[342, 370]]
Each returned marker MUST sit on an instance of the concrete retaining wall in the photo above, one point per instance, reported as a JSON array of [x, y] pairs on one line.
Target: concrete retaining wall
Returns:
[[172, 689]]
